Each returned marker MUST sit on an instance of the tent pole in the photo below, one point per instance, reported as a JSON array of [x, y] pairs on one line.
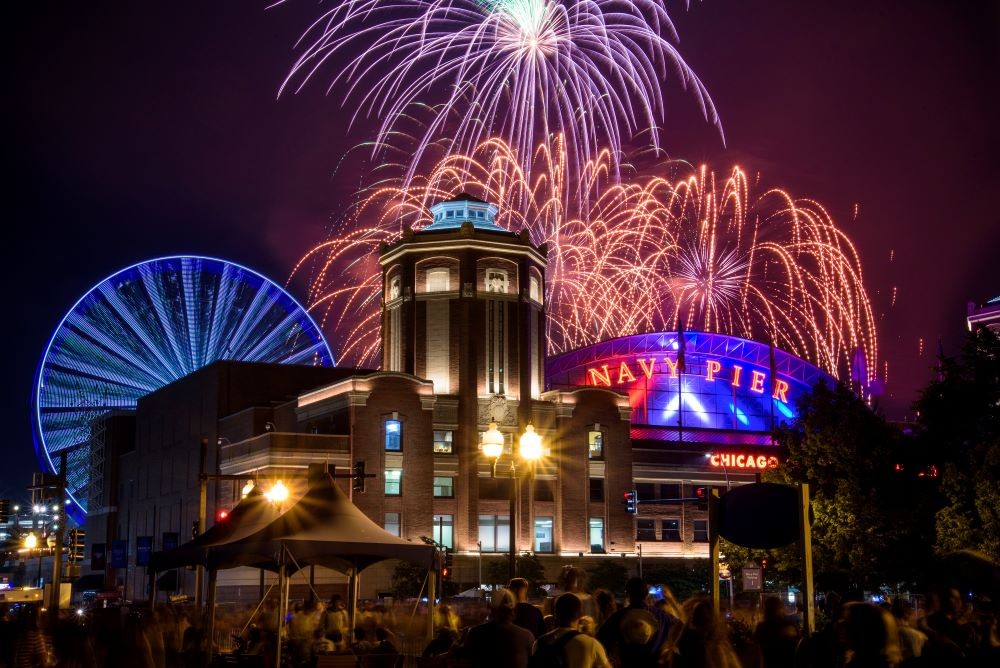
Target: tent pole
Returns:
[[431, 595], [281, 606], [213, 575], [352, 598]]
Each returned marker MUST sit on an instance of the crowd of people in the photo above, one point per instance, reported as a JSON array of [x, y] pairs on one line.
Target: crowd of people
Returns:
[[571, 627]]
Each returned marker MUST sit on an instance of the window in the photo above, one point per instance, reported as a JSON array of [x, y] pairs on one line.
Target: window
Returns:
[[438, 280], [443, 530], [450, 214], [597, 535], [442, 442], [496, 280], [645, 490], [544, 490], [597, 489], [543, 534], [494, 533], [645, 529], [671, 530], [671, 491], [393, 432], [392, 523], [494, 489], [535, 289], [395, 287], [393, 482], [444, 487], [701, 531], [596, 441]]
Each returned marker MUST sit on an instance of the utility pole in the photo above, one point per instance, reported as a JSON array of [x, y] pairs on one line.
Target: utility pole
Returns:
[[60, 537], [805, 542]]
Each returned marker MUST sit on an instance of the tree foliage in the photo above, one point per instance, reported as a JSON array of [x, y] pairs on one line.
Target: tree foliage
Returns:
[[960, 420], [868, 530], [609, 575]]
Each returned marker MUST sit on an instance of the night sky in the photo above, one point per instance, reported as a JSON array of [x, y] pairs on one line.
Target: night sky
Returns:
[[144, 129]]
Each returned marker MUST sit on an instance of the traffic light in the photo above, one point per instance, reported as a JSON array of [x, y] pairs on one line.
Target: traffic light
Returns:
[[77, 539], [358, 484], [631, 501], [195, 529], [449, 558], [701, 496], [222, 514]]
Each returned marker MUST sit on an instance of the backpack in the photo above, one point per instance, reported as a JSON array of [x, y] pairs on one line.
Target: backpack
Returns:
[[551, 653]]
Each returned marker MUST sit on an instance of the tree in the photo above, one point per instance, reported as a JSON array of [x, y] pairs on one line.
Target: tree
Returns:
[[609, 575], [408, 579], [868, 530], [959, 416], [685, 577], [496, 572]]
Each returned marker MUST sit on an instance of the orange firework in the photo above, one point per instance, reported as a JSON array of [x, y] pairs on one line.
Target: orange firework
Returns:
[[626, 257]]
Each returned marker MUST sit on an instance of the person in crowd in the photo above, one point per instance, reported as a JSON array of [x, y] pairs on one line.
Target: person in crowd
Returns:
[[321, 644], [498, 643], [776, 636], [870, 636], [911, 640], [605, 604], [526, 615], [567, 645], [702, 640], [444, 616], [634, 635], [571, 582], [588, 626], [442, 643], [335, 617], [362, 643]]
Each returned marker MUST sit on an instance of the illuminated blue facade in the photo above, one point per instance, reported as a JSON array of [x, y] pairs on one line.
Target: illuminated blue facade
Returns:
[[146, 326], [704, 381]]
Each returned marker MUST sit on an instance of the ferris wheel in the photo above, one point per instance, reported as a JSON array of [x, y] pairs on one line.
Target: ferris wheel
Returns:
[[144, 327]]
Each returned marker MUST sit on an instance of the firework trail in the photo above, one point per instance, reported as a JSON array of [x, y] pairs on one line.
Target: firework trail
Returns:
[[522, 70], [645, 254]]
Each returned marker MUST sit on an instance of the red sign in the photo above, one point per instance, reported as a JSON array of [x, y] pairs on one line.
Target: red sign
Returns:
[[732, 460]]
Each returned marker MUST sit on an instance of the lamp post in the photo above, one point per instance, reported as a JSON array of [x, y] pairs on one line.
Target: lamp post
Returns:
[[530, 450]]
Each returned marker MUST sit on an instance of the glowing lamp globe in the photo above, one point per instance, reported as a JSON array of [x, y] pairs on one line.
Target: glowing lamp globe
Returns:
[[531, 444], [493, 442], [30, 541], [278, 493]]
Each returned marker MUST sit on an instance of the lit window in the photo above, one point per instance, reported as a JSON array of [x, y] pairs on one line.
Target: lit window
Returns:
[[393, 482], [543, 535], [701, 531], [596, 441], [438, 280], [393, 432], [444, 487], [392, 524], [496, 280], [671, 530], [395, 288], [535, 289], [443, 530], [597, 535], [494, 533], [443, 442]]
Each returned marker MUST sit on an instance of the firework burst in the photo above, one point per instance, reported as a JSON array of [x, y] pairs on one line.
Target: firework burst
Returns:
[[523, 70], [644, 255]]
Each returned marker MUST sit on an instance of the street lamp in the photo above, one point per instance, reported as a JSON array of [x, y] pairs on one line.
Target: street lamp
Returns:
[[31, 544], [530, 450], [278, 493]]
